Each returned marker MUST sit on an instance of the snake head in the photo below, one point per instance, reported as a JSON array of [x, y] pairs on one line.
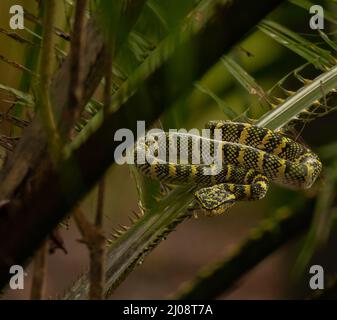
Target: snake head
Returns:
[[215, 200]]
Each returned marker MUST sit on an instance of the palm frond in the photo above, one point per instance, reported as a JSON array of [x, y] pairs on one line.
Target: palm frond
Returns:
[[320, 58]]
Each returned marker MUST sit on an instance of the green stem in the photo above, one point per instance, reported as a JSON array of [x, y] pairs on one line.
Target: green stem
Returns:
[[46, 73]]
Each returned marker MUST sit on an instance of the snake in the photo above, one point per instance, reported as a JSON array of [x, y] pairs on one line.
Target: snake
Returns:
[[235, 162]]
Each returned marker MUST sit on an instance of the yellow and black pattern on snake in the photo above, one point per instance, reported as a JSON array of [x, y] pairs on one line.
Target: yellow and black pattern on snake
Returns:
[[249, 156]]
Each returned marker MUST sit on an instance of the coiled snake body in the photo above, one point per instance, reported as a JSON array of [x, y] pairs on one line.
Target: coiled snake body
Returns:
[[249, 156]]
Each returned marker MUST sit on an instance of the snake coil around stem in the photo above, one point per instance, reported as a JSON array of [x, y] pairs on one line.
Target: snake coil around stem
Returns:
[[235, 162]]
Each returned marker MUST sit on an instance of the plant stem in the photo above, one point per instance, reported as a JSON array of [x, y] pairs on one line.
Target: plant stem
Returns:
[[39, 274], [46, 73], [71, 112]]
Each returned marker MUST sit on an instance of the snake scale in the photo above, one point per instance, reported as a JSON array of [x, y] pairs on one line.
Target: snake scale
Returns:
[[250, 157]]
